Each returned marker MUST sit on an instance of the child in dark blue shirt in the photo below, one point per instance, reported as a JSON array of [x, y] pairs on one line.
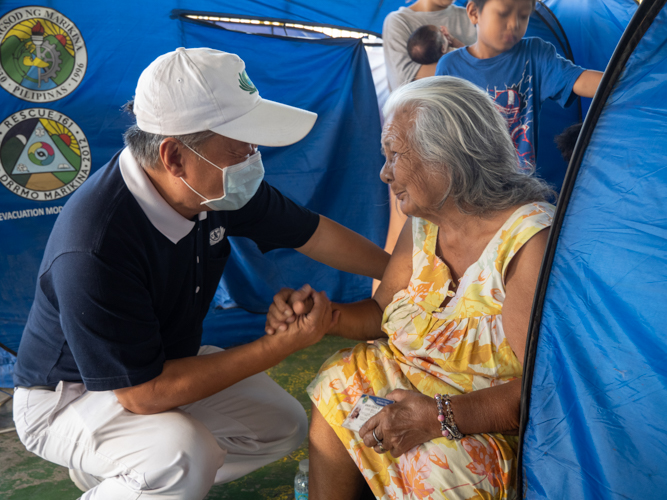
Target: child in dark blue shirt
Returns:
[[519, 73]]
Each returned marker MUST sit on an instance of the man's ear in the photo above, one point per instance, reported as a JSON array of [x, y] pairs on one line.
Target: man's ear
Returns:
[[171, 154], [473, 13]]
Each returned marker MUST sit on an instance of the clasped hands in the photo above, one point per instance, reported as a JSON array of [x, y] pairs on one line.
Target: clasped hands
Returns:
[[303, 315]]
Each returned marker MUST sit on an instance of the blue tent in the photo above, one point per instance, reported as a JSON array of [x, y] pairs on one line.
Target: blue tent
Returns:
[[594, 388], [95, 74], [98, 52]]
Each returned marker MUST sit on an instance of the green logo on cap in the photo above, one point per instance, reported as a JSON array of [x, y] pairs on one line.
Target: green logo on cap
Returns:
[[246, 84]]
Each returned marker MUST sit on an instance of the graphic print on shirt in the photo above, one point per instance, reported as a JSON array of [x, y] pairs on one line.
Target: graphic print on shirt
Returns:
[[513, 102]]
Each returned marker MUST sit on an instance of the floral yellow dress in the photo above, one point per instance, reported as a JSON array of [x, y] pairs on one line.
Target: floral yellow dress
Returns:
[[454, 349]]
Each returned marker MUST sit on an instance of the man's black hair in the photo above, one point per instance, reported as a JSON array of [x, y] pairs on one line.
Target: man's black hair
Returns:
[[425, 44], [567, 139]]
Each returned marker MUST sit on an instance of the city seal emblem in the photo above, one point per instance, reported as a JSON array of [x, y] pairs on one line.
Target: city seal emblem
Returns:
[[44, 155], [43, 56]]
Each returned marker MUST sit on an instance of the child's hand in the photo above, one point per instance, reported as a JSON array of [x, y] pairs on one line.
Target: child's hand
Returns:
[[453, 41]]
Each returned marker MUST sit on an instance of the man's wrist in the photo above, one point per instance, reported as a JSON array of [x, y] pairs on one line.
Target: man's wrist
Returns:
[[273, 348]]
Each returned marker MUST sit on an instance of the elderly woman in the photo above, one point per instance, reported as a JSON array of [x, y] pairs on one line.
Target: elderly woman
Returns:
[[447, 327]]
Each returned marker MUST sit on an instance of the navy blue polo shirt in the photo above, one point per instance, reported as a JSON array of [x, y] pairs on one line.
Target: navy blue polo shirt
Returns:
[[126, 281]]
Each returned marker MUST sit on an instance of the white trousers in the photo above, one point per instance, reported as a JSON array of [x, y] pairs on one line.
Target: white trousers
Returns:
[[178, 454]]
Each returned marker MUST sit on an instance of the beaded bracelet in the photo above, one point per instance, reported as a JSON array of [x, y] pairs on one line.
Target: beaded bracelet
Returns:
[[446, 418]]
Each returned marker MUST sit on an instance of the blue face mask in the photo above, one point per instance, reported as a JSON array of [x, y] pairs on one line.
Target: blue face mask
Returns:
[[240, 182]]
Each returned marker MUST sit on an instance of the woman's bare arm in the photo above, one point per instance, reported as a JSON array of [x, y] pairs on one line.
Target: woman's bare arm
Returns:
[[399, 270]]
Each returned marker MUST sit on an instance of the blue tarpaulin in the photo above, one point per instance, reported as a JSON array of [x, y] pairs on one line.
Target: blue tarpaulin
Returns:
[[99, 52], [355, 15], [598, 397], [335, 171]]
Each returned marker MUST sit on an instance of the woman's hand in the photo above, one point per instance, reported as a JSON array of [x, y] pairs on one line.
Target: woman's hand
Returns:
[[410, 421], [287, 305], [307, 329]]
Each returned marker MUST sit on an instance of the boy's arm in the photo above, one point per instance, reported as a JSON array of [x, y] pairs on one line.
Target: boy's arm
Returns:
[[587, 83]]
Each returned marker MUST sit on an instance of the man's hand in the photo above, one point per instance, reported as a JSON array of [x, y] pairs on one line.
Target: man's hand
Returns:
[[453, 41], [308, 329], [287, 305], [409, 422]]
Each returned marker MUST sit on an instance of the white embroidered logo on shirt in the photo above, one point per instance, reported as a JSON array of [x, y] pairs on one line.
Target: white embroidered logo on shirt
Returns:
[[216, 235]]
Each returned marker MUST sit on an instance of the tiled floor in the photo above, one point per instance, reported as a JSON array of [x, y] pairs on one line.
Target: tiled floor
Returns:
[[23, 476]]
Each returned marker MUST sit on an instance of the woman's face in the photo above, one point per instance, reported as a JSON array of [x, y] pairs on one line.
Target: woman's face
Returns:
[[418, 192]]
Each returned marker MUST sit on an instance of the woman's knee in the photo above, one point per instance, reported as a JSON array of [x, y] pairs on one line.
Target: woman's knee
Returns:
[[320, 431]]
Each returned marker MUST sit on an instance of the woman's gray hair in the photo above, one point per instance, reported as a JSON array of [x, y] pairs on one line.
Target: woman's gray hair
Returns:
[[457, 131], [145, 147]]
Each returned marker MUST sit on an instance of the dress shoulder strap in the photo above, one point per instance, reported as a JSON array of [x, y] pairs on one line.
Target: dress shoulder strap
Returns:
[[522, 225]]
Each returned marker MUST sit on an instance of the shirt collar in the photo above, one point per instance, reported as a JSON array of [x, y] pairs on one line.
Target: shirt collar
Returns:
[[165, 219]]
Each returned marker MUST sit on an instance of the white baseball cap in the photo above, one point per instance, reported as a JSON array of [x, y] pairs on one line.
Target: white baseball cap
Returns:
[[192, 90]]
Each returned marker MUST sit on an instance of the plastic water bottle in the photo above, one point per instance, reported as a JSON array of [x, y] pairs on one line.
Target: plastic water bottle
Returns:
[[301, 481]]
